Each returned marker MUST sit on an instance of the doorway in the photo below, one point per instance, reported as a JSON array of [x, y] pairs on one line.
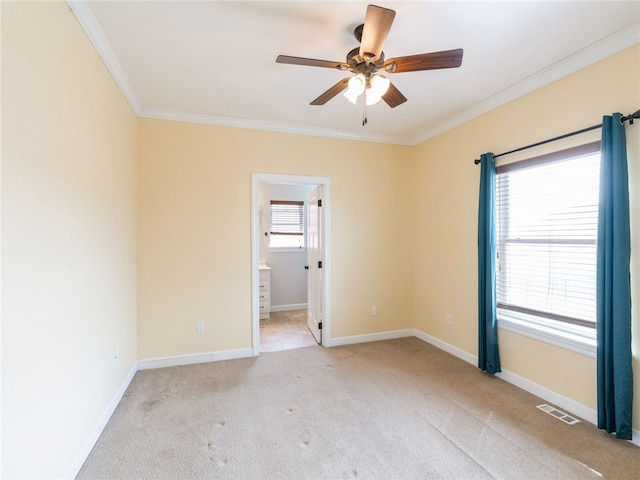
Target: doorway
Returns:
[[322, 301]]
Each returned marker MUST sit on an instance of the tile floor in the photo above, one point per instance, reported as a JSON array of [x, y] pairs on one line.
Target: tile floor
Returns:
[[285, 331]]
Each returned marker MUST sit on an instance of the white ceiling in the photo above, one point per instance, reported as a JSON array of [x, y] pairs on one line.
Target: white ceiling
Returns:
[[214, 61]]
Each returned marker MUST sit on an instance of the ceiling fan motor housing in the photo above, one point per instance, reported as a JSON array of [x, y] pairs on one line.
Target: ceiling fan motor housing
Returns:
[[358, 64]]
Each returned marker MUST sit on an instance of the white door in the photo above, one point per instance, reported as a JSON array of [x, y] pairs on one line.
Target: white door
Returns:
[[315, 256]]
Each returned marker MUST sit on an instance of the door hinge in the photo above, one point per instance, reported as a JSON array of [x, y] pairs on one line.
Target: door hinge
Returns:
[[319, 202], [320, 264], [319, 325]]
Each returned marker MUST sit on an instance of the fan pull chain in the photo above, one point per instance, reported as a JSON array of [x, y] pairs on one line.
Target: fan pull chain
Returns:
[[364, 109]]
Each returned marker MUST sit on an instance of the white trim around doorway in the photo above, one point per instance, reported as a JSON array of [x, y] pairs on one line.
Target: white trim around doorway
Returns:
[[256, 180]]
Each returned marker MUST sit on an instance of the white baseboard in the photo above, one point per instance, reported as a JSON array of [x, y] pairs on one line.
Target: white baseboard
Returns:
[[102, 423], [546, 394], [455, 351], [560, 401], [557, 400], [195, 358], [371, 337], [286, 308]]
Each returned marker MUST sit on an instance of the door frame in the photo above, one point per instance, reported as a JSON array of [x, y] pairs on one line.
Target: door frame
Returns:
[[269, 178]]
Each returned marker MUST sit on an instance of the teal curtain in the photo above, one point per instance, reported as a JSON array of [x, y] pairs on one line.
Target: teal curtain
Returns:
[[613, 298], [488, 355]]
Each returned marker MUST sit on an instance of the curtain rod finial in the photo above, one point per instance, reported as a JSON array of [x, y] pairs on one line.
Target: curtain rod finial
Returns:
[[477, 161]]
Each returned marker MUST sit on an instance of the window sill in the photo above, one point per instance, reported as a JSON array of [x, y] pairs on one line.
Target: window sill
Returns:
[[573, 339]]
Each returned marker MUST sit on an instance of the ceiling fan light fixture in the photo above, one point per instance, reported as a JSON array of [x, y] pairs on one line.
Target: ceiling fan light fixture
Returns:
[[352, 97], [371, 99], [355, 87], [379, 85]]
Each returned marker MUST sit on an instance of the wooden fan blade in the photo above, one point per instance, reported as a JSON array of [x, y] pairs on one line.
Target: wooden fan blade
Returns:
[[425, 61], [377, 24], [394, 97], [310, 62], [332, 92]]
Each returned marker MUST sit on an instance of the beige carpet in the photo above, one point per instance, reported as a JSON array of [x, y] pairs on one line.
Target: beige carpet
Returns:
[[397, 409]]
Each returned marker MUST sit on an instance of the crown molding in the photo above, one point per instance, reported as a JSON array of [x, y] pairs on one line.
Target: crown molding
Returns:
[[565, 67], [179, 116], [588, 56], [89, 24]]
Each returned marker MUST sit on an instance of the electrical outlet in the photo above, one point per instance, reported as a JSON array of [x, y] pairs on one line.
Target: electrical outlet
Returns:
[[200, 326], [449, 319], [374, 311]]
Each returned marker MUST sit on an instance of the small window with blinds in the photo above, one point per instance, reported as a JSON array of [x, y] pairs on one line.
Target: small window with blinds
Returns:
[[287, 224], [546, 232]]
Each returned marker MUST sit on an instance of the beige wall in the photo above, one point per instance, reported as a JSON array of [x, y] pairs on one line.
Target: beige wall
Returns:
[[445, 260], [68, 239], [195, 232]]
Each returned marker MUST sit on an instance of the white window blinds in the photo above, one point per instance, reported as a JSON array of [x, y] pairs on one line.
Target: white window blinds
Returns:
[[546, 226], [287, 223]]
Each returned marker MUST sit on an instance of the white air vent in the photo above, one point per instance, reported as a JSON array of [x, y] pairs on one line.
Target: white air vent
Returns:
[[558, 414]]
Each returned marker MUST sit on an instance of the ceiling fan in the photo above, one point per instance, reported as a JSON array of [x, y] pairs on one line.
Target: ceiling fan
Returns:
[[367, 63]]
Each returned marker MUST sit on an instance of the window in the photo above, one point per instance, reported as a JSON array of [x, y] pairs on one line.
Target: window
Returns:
[[546, 232], [287, 224]]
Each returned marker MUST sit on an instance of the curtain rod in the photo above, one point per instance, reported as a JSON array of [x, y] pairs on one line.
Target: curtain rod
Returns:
[[630, 118]]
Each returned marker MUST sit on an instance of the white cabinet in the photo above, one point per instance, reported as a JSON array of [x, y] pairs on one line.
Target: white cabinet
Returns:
[[264, 291]]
